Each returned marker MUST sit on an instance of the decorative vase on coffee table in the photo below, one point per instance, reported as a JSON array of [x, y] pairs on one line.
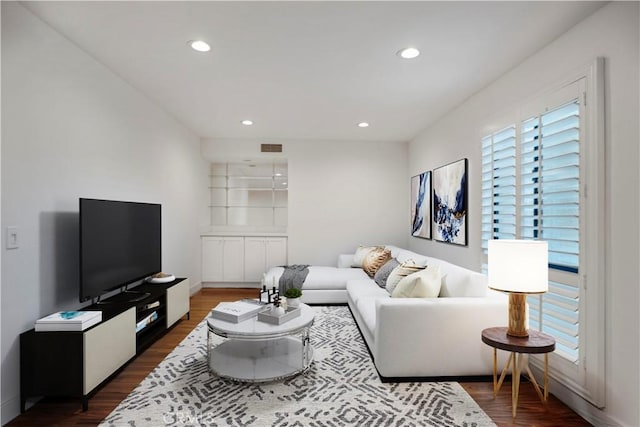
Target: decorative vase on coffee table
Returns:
[[293, 302]]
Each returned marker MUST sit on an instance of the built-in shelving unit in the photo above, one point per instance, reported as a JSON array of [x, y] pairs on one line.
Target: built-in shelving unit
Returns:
[[248, 194]]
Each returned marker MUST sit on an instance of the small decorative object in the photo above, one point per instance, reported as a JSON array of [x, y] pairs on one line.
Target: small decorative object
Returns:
[[450, 203], [293, 297], [273, 295], [161, 278], [269, 316], [264, 295], [519, 267], [421, 205], [277, 309]]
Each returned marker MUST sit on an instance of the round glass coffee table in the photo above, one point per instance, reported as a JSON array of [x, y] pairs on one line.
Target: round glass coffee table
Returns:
[[256, 351]]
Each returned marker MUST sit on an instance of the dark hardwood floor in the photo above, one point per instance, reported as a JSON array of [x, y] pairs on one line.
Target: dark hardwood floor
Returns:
[[68, 412]]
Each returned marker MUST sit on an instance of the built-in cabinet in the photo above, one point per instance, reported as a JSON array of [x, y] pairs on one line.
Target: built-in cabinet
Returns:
[[222, 259], [240, 258], [261, 253]]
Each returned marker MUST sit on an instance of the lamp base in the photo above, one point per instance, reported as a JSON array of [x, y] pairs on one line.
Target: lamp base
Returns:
[[517, 315]]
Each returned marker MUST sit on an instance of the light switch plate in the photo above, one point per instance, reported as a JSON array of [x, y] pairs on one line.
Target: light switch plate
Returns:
[[12, 238]]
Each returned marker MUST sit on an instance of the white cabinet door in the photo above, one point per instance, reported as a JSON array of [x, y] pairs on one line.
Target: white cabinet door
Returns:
[[212, 259], [241, 259], [255, 258], [177, 302], [276, 252], [262, 253], [233, 259], [107, 347]]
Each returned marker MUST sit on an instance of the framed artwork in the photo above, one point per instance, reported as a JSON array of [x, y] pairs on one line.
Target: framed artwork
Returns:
[[450, 201], [421, 205]]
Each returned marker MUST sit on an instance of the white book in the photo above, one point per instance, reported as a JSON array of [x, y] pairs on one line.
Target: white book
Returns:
[[237, 311], [68, 321]]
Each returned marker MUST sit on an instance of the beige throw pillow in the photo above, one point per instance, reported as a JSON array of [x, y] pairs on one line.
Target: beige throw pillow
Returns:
[[423, 284], [374, 260], [361, 254], [399, 272]]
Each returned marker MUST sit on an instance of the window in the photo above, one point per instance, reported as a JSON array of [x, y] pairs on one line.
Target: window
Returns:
[[536, 175]]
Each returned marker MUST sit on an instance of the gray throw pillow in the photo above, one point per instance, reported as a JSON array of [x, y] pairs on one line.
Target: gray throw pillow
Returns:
[[383, 272]]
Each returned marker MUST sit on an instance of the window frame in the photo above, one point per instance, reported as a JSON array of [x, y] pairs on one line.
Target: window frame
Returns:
[[587, 377]]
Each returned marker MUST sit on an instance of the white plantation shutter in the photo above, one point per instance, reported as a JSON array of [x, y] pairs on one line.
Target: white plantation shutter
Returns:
[[550, 211], [550, 184], [499, 186], [531, 190]]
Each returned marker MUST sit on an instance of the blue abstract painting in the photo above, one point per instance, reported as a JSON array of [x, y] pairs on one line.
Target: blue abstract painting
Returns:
[[450, 202], [421, 205]]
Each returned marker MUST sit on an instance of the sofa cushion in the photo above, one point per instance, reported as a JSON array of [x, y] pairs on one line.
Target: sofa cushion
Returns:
[[374, 260], [366, 306], [404, 255], [383, 272], [361, 254], [361, 288], [423, 284], [321, 277], [460, 282], [398, 273]]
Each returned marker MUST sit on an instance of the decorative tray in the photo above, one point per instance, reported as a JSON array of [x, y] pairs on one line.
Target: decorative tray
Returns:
[[268, 317]]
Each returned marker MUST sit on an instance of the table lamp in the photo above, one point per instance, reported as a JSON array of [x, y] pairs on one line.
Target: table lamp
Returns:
[[519, 267]]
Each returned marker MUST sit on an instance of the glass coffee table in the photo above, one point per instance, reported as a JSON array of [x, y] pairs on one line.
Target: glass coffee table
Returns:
[[255, 351]]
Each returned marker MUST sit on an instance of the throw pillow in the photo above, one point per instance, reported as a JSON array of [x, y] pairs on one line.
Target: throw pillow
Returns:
[[374, 260], [383, 272], [424, 284], [399, 272], [361, 254]]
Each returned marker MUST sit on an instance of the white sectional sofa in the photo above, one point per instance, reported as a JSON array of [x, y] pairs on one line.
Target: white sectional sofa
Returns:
[[415, 337]]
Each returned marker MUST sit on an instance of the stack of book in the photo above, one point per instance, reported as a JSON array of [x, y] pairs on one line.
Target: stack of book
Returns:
[[143, 323], [68, 321], [238, 311]]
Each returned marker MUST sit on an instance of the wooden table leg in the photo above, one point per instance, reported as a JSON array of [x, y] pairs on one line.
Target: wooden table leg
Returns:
[[495, 372], [546, 377], [515, 382], [503, 374]]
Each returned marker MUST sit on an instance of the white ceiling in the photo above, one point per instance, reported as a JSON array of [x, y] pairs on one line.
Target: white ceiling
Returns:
[[310, 70]]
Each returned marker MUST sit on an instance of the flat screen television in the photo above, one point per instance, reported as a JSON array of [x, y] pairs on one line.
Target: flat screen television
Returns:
[[120, 244]]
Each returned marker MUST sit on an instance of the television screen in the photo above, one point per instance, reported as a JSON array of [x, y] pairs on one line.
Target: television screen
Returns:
[[120, 243]]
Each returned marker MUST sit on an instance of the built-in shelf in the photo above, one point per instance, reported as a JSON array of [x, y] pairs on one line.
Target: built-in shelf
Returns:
[[247, 194]]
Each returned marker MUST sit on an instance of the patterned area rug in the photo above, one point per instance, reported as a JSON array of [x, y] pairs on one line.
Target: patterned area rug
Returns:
[[341, 388]]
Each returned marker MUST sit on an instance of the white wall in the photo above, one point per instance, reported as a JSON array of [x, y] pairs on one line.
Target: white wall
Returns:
[[611, 32], [341, 194], [72, 128]]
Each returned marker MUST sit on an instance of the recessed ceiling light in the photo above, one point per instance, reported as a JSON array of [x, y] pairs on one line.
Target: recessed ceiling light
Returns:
[[408, 53], [363, 124], [278, 174], [199, 45], [247, 122]]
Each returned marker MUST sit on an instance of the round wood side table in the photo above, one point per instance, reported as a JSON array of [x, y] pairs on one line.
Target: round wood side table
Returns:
[[536, 343]]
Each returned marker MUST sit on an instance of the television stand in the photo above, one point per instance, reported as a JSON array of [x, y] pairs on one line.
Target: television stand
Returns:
[[76, 363]]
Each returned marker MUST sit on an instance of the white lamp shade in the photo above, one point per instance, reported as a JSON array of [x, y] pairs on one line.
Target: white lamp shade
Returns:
[[519, 266]]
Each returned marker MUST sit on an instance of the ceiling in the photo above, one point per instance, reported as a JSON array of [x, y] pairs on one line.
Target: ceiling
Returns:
[[310, 70]]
